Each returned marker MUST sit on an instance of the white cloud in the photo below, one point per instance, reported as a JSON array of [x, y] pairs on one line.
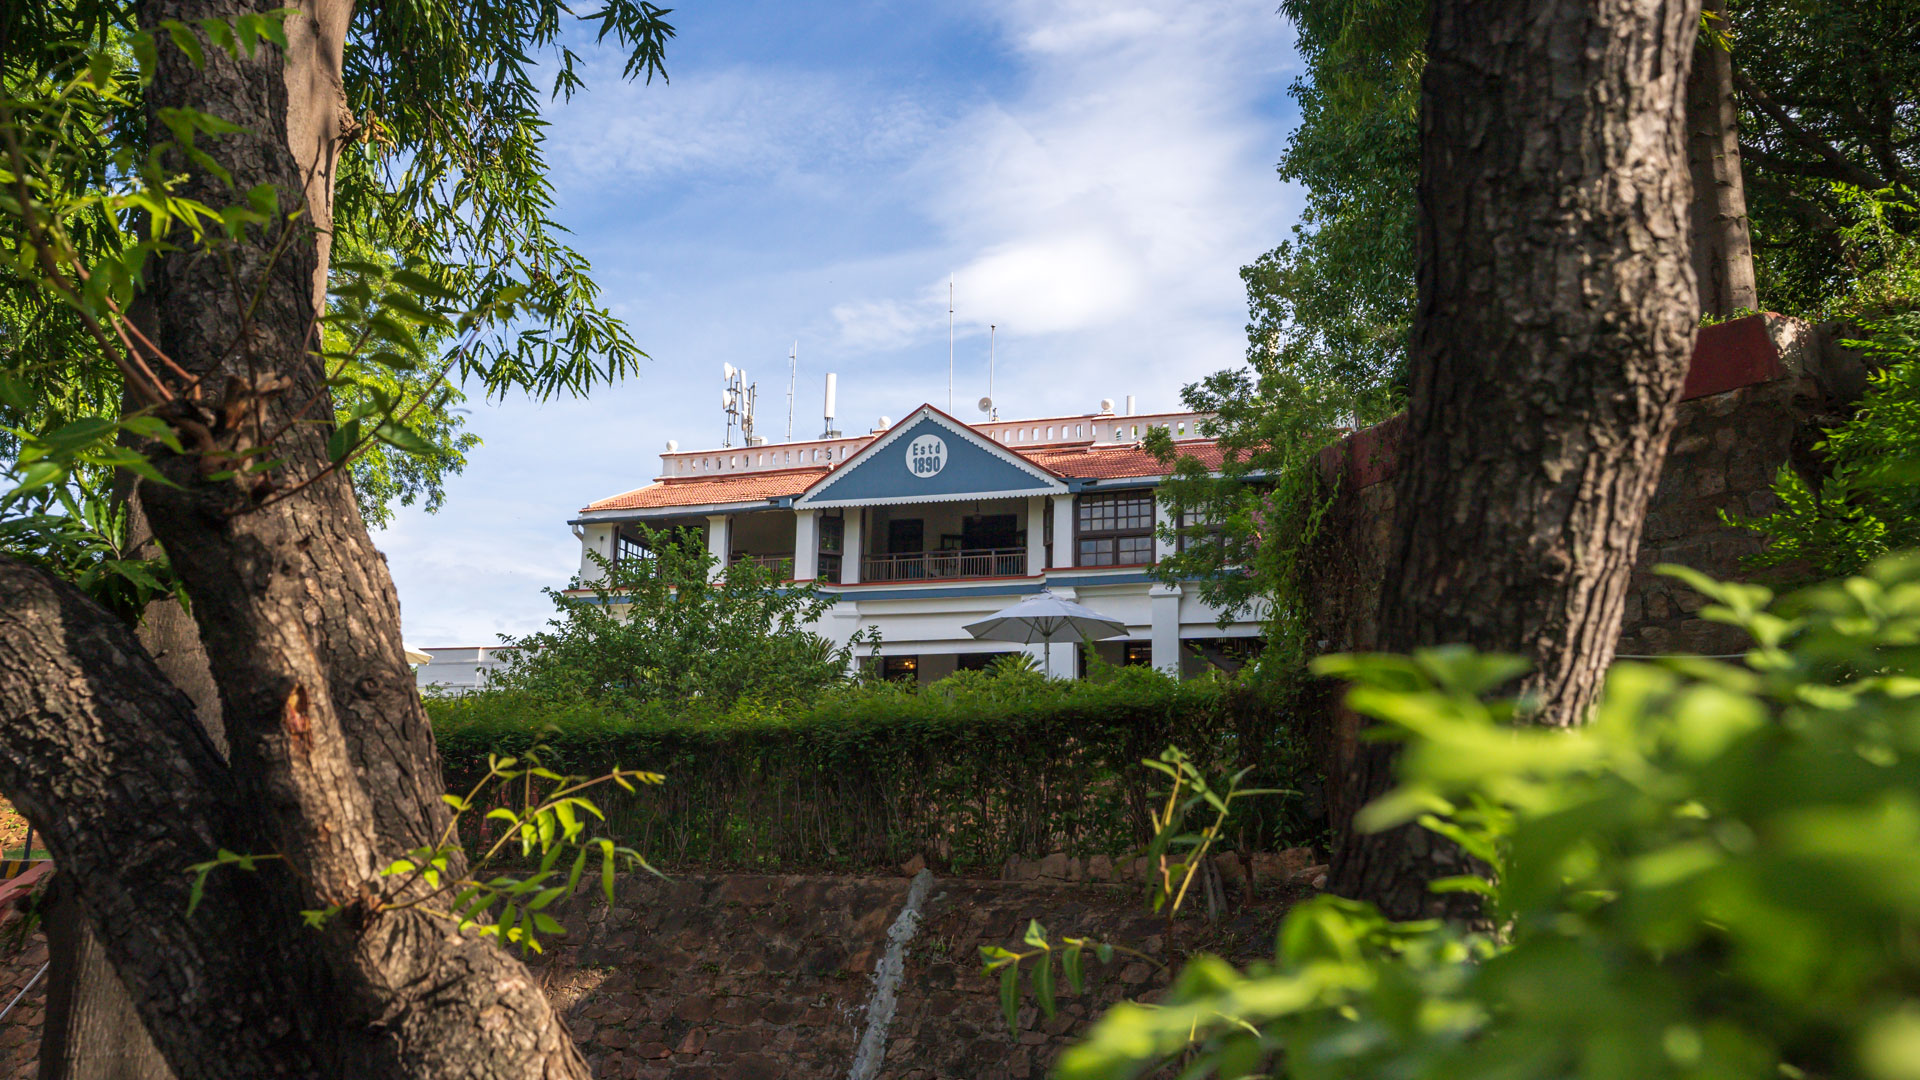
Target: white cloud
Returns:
[[1128, 183], [743, 123]]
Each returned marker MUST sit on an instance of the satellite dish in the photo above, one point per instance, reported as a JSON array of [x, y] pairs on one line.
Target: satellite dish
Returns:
[[986, 404], [727, 370], [673, 445]]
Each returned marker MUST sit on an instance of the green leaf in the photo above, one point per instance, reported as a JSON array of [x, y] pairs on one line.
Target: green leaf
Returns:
[[403, 438], [1010, 997], [184, 40], [1070, 967], [1036, 934], [1043, 984]]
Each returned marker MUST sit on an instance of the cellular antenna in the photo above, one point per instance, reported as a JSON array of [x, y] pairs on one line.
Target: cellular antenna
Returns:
[[949, 344]]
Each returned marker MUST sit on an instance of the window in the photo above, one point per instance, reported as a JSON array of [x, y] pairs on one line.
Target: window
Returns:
[[1199, 527], [626, 547], [1115, 529], [1137, 654], [903, 668]]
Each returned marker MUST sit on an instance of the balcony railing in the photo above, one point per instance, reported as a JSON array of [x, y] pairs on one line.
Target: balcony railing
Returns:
[[945, 565], [769, 561]]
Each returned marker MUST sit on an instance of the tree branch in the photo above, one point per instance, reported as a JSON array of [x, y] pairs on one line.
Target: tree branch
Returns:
[[1845, 168], [108, 761]]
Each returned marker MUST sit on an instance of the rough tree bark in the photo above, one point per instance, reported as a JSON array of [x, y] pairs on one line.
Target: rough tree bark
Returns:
[[331, 764], [92, 1031], [1555, 318], [1722, 241]]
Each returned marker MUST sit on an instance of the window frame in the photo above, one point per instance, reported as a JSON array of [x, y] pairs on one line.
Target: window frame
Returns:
[[1116, 531]]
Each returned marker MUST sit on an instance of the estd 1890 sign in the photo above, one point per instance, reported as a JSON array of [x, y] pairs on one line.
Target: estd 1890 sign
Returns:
[[926, 456]]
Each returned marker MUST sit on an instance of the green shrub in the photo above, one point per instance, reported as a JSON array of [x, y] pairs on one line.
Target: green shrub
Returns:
[[967, 771], [665, 624], [1719, 877]]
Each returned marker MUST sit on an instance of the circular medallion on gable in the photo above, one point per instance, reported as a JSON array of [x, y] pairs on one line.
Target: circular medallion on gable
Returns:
[[926, 456]]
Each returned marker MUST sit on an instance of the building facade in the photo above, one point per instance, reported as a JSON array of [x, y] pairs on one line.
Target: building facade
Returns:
[[925, 525]]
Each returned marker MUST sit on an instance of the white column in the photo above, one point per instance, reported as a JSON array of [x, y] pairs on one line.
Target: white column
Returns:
[[851, 546], [806, 545], [1063, 656], [1163, 548], [1063, 531], [1036, 534], [597, 539], [719, 541], [1166, 628]]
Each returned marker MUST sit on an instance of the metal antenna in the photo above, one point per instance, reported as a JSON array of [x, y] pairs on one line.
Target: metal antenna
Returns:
[[993, 413], [793, 369], [949, 344]]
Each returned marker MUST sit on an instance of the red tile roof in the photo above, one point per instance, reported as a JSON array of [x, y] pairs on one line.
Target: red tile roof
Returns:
[[714, 490], [1116, 462], [1077, 461]]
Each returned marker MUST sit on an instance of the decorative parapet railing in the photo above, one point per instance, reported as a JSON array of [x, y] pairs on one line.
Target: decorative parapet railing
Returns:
[[945, 565]]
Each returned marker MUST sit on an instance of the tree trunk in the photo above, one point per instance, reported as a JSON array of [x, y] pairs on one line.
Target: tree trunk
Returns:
[[1722, 244], [92, 1030], [331, 768], [1556, 316]]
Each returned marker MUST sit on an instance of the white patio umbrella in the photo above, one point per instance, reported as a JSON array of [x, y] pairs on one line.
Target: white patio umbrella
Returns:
[[1044, 618]]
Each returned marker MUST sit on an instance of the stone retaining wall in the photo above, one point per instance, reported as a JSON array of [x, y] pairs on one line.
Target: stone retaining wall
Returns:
[[759, 977], [1758, 394]]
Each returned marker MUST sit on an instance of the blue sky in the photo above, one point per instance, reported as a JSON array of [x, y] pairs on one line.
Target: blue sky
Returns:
[[1091, 174]]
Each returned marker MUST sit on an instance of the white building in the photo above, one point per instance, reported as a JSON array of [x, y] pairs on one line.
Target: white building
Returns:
[[920, 527]]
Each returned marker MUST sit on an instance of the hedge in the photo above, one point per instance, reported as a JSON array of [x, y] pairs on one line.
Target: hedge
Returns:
[[966, 772]]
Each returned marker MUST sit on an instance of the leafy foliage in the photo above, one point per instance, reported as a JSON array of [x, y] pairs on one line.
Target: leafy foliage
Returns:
[[541, 830], [1718, 877], [1330, 310], [1176, 859], [670, 627], [443, 171], [1829, 96], [1866, 502], [966, 771]]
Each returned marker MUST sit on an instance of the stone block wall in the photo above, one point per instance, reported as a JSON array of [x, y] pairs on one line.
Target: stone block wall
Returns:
[[1758, 395], [760, 977]]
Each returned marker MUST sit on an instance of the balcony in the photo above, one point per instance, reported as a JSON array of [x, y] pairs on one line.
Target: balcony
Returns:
[[771, 562], [945, 565]]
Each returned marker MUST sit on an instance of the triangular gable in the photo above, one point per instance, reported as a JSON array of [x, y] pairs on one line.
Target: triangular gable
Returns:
[[930, 457]]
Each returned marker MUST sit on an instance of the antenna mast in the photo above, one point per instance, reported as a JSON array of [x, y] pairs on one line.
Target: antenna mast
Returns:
[[738, 398], [949, 343], [993, 412], [793, 369]]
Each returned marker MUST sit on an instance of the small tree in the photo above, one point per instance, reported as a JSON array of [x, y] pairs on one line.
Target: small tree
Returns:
[[665, 625]]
